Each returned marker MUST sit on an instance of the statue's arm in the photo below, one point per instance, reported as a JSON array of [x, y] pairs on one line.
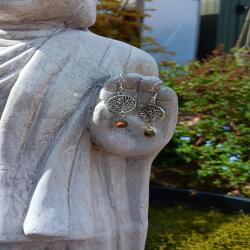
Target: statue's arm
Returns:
[[135, 139]]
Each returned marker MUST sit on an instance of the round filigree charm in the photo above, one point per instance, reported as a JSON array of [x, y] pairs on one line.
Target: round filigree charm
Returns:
[[121, 104], [151, 112]]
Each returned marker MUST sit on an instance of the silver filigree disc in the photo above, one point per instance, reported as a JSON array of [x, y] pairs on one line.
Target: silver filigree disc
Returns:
[[121, 104], [151, 112]]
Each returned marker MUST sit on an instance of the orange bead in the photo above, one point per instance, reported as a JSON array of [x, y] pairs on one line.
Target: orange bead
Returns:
[[121, 124]]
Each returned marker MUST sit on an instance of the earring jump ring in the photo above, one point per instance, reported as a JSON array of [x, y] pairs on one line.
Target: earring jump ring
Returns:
[[121, 80], [154, 98]]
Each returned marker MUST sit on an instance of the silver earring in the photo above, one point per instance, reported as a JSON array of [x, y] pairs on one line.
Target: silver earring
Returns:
[[150, 113], [121, 104]]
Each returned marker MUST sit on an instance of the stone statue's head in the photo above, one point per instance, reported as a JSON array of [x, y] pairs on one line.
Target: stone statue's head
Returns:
[[76, 13]]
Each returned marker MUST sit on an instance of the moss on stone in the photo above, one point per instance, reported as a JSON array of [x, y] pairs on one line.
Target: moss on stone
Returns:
[[182, 228]]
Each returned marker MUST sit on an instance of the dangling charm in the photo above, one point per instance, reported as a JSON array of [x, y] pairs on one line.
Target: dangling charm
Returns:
[[149, 131], [120, 104], [149, 113]]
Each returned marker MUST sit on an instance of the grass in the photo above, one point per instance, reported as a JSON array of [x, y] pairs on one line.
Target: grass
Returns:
[[183, 228]]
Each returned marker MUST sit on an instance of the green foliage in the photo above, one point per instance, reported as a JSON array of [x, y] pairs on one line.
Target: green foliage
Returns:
[[116, 22], [211, 146], [123, 23], [179, 228]]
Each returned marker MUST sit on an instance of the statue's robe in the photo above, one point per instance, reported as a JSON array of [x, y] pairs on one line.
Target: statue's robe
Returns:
[[54, 184]]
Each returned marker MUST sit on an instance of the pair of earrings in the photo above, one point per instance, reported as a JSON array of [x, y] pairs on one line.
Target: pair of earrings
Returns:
[[121, 104]]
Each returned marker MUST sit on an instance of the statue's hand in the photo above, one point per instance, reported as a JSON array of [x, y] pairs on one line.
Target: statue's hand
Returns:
[[132, 140]]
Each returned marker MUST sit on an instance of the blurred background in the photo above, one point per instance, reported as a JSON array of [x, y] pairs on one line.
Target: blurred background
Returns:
[[189, 28], [202, 48]]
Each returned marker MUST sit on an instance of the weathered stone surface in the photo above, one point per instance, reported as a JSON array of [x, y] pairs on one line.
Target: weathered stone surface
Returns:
[[69, 178], [76, 13]]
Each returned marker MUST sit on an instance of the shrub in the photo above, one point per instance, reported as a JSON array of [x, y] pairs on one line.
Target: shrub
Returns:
[[211, 146], [125, 23], [181, 228], [115, 21]]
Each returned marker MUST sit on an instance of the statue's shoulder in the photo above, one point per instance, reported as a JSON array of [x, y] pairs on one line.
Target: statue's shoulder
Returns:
[[136, 60]]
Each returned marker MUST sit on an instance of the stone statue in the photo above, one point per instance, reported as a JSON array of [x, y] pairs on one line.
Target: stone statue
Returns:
[[74, 174]]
